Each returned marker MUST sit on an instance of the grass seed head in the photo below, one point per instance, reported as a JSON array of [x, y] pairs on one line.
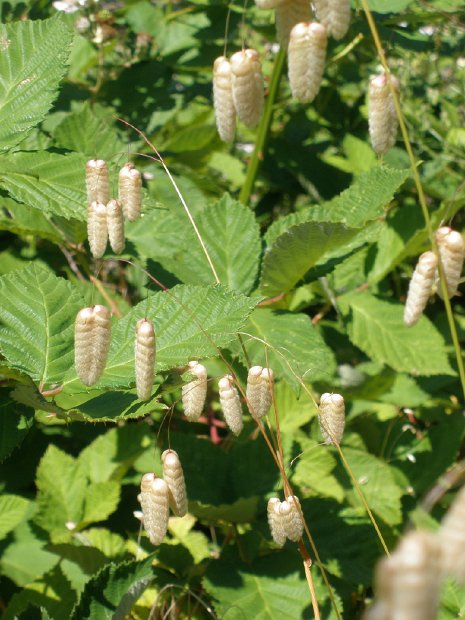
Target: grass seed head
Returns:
[[97, 228], [174, 477], [144, 358], [247, 86], [420, 287], [154, 500], [288, 14], [194, 393], [451, 248], [115, 223], [92, 333], [225, 112], [382, 118], [275, 521], [230, 404], [306, 60], [331, 415], [97, 181], [130, 191], [334, 15]]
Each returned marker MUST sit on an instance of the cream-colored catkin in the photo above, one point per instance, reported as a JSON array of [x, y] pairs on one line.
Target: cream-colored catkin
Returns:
[[130, 191], [154, 500], [259, 392], [225, 112], [275, 521], [194, 393], [420, 287], [247, 86], [97, 181], [173, 475], [294, 525], [334, 15], [452, 539], [115, 223], [144, 358], [92, 334], [451, 248], [382, 118], [230, 404], [331, 415], [102, 338], [97, 228], [288, 14], [306, 60]]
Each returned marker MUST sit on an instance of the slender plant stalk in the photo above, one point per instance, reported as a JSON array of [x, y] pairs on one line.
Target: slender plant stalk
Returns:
[[263, 129]]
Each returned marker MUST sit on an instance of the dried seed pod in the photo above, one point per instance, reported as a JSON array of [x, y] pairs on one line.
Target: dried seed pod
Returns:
[[420, 287], [230, 404], [259, 390], [225, 112], [130, 191], [334, 15], [92, 333], [174, 478], [115, 223], [452, 539], [451, 248], [97, 228], [194, 393], [306, 60], [154, 500], [275, 522], [97, 181], [293, 524], [331, 415], [288, 14], [247, 86], [144, 358], [382, 118]]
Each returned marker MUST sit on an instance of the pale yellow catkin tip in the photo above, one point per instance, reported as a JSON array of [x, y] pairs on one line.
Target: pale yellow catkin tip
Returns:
[[174, 477], [288, 14], [275, 521], [97, 228], [130, 191], [331, 415], [144, 358], [97, 181], [225, 112], [420, 287], [382, 118], [230, 404], [306, 60], [452, 539], [194, 393], [451, 248], [334, 15], [92, 333], [154, 500], [115, 223], [247, 86]]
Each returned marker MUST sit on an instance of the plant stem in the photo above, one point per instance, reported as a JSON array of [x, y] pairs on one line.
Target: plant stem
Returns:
[[263, 129]]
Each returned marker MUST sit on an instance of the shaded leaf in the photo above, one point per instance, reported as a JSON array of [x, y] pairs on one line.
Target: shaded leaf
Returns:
[[13, 509]]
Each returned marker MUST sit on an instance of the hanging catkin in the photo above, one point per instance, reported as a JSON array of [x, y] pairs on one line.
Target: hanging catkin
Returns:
[[130, 191], [247, 86], [154, 500], [420, 287], [102, 337], [382, 118], [293, 523], [97, 228], [331, 415], [451, 252], [92, 333], [230, 404], [275, 521], [173, 475], [225, 112], [194, 393], [115, 223], [452, 539], [288, 14], [259, 390], [144, 358], [97, 181], [334, 15], [306, 60]]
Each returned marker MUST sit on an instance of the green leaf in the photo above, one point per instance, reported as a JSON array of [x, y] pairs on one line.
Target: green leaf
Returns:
[[15, 421], [314, 471], [13, 509], [31, 73], [395, 6], [50, 182], [101, 500], [111, 406], [38, 311], [22, 220], [376, 326], [293, 412]]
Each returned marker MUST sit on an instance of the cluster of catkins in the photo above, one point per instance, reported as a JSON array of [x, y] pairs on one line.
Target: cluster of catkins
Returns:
[[105, 217], [451, 251], [158, 495], [408, 583]]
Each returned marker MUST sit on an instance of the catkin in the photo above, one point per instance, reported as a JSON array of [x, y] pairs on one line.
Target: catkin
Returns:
[[154, 500], [420, 287], [97, 181], [334, 15], [331, 415], [174, 478], [382, 118], [293, 524], [144, 358], [306, 60], [130, 191], [288, 14], [225, 112], [247, 86], [230, 404], [259, 391], [102, 337], [451, 252], [194, 393], [452, 539], [115, 223], [97, 228], [275, 522], [92, 333]]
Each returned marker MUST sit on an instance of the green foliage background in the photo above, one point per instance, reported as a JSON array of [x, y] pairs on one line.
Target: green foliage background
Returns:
[[315, 265]]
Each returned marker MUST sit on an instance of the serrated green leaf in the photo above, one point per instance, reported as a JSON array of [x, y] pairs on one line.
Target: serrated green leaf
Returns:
[[15, 422], [101, 500], [314, 471], [293, 412], [30, 74], [47, 181], [13, 509], [22, 220], [376, 326], [38, 312], [112, 406]]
